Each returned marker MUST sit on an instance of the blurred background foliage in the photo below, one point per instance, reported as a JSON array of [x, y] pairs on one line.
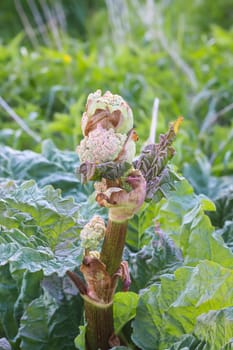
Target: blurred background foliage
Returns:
[[54, 53]]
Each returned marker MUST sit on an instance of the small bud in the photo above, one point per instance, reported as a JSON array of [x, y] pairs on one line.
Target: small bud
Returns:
[[92, 233]]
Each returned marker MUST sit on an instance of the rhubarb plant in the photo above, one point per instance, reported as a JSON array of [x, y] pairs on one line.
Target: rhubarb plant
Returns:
[[116, 254], [122, 185]]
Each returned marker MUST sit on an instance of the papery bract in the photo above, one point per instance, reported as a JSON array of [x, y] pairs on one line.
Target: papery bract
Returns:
[[122, 204], [111, 111]]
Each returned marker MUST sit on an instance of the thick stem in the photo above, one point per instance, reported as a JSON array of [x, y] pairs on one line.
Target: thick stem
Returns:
[[100, 328], [113, 245], [99, 316], [101, 273]]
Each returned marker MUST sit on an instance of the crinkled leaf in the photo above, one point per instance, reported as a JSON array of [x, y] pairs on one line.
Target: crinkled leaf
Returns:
[[124, 308], [160, 256], [147, 324], [188, 342], [8, 297], [216, 327], [182, 217], [171, 310], [31, 256], [45, 208], [219, 189], [137, 226], [23, 271], [224, 207], [227, 233], [26, 258], [52, 167], [203, 290], [4, 344], [47, 324]]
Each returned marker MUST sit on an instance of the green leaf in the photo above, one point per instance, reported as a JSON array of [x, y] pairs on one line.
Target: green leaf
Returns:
[[216, 327], [124, 308], [52, 167], [33, 257], [227, 233], [4, 344], [217, 188], [8, 298], [182, 217], [188, 342], [47, 324], [141, 221], [27, 257], [45, 208], [29, 289], [147, 314], [206, 204], [158, 257], [171, 309], [80, 341], [224, 205]]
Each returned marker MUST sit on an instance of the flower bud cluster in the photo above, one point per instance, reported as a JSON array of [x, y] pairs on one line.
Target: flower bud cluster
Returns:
[[107, 125], [92, 233], [100, 145]]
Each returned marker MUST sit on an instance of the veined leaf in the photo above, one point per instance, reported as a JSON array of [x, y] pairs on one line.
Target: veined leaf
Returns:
[[171, 309], [8, 297], [182, 217], [52, 167], [124, 309], [148, 314], [227, 233], [141, 221], [47, 324], [216, 328], [28, 205], [188, 342], [160, 256]]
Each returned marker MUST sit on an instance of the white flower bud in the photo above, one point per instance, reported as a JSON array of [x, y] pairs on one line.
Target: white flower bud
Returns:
[[101, 146], [92, 233]]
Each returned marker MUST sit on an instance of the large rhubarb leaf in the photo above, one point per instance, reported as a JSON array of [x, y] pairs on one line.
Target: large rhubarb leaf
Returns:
[[51, 167], [159, 256], [176, 306], [188, 342], [28, 205], [48, 323], [182, 216], [216, 328], [39, 242], [124, 308]]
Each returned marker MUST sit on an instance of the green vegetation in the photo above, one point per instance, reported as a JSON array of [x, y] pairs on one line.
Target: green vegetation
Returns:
[[181, 272]]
